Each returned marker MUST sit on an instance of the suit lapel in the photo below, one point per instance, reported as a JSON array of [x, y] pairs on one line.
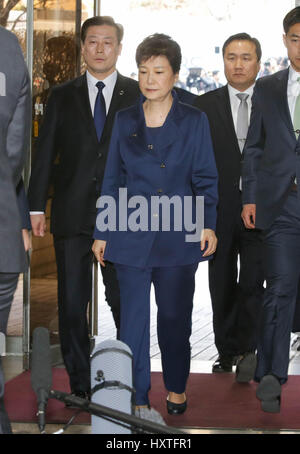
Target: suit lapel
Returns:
[[84, 106], [117, 102], [224, 107], [282, 100]]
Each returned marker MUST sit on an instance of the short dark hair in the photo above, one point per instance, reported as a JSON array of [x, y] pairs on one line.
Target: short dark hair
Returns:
[[292, 18], [101, 20], [159, 45], [244, 37]]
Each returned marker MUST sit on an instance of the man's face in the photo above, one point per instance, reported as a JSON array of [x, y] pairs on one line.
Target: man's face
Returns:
[[240, 64], [292, 43], [100, 50]]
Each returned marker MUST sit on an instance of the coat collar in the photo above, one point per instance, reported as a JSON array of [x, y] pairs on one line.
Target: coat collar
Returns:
[[224, 107], [170, 129]]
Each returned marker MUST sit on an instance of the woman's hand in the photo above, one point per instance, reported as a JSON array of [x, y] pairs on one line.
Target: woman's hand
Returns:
[[98, 250], [208, 236]]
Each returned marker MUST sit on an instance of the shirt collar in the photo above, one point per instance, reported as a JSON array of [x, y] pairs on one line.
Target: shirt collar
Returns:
[[233, 91], [293, 75], [109, 81]]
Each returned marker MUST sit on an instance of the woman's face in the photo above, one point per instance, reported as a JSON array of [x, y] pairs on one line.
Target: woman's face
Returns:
[[156, 78]]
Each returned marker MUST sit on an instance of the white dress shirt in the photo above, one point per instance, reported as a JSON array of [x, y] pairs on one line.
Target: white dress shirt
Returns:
[[107, 91], [235, 102], [293, 90]]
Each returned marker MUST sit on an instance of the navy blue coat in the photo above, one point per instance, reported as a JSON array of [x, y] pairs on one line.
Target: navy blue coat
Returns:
[[271, 154], [180, 164]]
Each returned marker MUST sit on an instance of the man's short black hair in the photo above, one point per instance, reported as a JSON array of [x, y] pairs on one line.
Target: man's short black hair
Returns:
[[292, 18], [101, 20], [244, 37]]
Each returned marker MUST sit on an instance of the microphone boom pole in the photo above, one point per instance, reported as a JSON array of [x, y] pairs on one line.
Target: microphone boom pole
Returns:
[[100, 410]]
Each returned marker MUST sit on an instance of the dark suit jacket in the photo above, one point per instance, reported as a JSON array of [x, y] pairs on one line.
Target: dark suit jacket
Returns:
[[216, 105], [180, 164], [68, 139], [271, 154]]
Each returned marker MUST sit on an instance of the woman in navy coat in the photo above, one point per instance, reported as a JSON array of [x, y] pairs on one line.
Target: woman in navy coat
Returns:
[[160, 151]]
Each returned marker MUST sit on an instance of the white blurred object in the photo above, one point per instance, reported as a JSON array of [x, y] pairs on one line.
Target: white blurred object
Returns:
[[111, 384], [295, 343], [2, 344]]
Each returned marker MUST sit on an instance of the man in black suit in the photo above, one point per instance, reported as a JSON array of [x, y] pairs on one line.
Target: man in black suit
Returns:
[[271, 176], [235, 296], [71, 139]]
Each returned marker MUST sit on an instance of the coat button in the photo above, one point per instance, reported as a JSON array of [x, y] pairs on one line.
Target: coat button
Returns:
[[100, 155], [150, 147], [160, 191], [162, 166]]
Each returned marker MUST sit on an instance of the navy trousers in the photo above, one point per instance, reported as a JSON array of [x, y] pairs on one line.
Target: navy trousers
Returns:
[[281, 252], [174, 290]]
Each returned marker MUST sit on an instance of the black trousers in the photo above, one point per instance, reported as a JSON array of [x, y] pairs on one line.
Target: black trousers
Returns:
[[236, 297], [74, 260]]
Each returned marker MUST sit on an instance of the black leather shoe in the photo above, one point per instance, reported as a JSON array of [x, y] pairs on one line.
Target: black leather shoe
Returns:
[[269, 393], [245, 368], [223, 364], [176, 409], [81, 394]]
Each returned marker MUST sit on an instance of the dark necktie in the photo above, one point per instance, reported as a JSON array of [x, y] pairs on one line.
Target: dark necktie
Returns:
[[100, 110]]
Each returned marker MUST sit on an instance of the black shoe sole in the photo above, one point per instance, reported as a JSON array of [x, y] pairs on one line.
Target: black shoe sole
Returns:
[[245, 369], [269, 393]]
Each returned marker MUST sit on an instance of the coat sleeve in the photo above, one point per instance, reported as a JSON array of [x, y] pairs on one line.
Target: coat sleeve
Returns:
[[252, 151], [23, 206], [114, 178], [18, 132], [205, 175]]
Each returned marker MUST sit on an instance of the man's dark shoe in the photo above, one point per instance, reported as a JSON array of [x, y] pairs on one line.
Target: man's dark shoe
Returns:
[[245, 368], [269, 393], [223, 364]]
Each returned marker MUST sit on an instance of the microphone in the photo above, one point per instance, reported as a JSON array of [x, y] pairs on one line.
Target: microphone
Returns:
[[41, 372]]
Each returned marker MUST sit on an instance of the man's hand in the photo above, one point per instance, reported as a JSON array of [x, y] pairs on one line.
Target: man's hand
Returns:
[[98, 250], [248, 215], [38, 222], [208, 236]]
